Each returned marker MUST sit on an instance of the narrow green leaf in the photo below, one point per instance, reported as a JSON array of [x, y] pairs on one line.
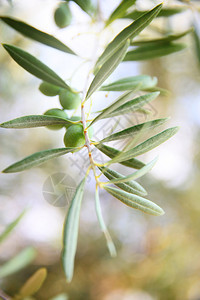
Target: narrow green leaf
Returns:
[[60, 297], [110, 244], [166, 39], [163, 92], [135, 201], [153, 51], [133, 105], [112, 152], [130, 186], [136, 174], [164, 12], [33, 284], [35, 66], [10, 227], [37, 159], [119, 101], [35, 121], [86, 6], [120, 11], [128, 33], [18, 262], [196, 38], [37, 35], [70, 234], [134, 130], [146, 146], [106, 70], [129, 83]]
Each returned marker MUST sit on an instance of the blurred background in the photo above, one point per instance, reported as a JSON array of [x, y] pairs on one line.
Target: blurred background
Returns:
[[158, 257]]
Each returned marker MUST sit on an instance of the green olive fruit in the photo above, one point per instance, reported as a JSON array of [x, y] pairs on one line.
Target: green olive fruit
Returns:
[[49, 89], [63, 15], [74, 136], [69, 100], [56, 112]]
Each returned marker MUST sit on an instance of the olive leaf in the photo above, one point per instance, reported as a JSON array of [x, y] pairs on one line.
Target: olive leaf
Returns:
[[37, 35], [33, 284], [164, 12], [133, 105], [153, 51], [36, 121], [166, 39], [112, 153], [110, 244], [119, 101], [70, 233], [120, 11], [18, 262], [130, 132], [35, 66], [107, 69], [146, 146], [10, 227], [37, 159], [130, 186], [135, 201], [129, 83], [141, 172], [128, 33]]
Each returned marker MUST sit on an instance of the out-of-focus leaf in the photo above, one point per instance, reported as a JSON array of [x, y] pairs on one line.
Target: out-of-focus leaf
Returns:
[[120, 11], [129, 83], [10, 227], [163, 92], [119, 101], [20, 261], [112, 152], [35, 121], [134, 130], [166, 39], [133, 105], [146, 146], [135, 201], [107, 69], [37, 35], [153, 51], [110, 244], [70, 234], [128, 33], [33, 284], [35, 66], [60, 297], [85, 5], [197, 42], [37, 159], [136, 174], [164, 12], [132, 187]]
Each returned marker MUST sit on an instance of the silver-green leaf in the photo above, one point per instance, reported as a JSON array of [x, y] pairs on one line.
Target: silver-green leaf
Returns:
[[110, 244], [129, 83], [37, 159], [153, 51], [135, 201], [70, 233], [34, 66], [35, 121], [112, 152], [106, 70], [128, 33], [134, 130], [37, 35], [130, 186], [146, 146]]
